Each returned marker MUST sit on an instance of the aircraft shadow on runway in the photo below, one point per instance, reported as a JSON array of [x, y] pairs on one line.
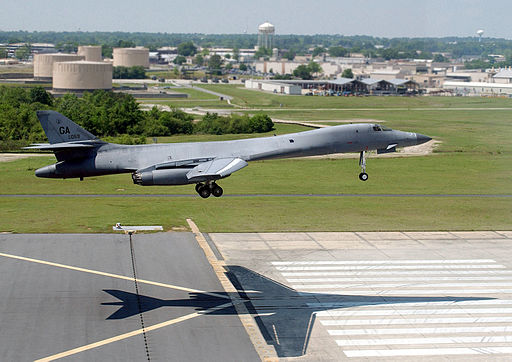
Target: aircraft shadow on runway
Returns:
[[284, 316]]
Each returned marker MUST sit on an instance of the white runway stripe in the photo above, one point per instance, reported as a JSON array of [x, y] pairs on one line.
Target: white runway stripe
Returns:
[[415, 321], [395, 305], [395, 279], [429, 292], [389, 267], [384, 262], [432, 340], [406, 331], [401, 312], [398, 273], [427, 351], [402, 285]]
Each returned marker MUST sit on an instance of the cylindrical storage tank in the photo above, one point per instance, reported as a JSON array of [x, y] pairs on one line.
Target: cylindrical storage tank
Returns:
[[43, 63], [130, 57], [91, 53], [82, 76]]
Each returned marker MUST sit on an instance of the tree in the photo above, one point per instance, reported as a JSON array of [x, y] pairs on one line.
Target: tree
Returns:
[[314, 67], [215, 62], [318, 50], [290, 54], [337, 51], [263, 52], [40, 95], [187, 49], [243, 67], [23, 52], [303, 72], [440, 58], [180, 59], [3, 53], [347, 73], [199, 59], [227, 56], [228, 66], [236, 53]]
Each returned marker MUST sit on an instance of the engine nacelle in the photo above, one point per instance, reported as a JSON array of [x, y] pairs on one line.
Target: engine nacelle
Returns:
[[174, 176]]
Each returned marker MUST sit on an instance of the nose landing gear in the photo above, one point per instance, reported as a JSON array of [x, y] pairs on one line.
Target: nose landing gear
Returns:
[[363, 176], [209, 188]]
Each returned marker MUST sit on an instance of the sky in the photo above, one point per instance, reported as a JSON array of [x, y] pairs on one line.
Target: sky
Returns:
[[382, 18]]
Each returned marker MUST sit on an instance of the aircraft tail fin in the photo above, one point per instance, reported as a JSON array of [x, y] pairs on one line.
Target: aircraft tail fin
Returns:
[[59, 128]]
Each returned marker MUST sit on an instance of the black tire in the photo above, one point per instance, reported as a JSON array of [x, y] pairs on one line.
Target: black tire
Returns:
[[204, 192], [363, 176], [217, 191], [198, 186]]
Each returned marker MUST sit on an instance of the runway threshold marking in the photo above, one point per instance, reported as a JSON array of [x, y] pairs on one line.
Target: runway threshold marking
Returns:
[[117, 276], [265, 352], [129, 334]]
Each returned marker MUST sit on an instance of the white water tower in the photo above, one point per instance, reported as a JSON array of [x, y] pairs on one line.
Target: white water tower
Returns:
[[266, 35], [480, 33]]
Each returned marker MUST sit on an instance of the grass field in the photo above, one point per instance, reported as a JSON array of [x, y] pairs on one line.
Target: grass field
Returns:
[[475, 157]]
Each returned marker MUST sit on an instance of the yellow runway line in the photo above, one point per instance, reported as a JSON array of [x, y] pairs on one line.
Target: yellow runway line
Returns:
[[117, 276], [128, 335]]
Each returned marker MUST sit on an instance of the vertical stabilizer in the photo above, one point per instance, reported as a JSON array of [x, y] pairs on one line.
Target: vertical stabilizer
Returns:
[[59, 128]]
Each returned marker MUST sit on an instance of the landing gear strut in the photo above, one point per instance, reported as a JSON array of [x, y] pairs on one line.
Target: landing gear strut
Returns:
[[363, 176], [210, 188]]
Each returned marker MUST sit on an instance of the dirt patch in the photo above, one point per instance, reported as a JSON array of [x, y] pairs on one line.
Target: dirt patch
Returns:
[[420, 150], [8, 157]]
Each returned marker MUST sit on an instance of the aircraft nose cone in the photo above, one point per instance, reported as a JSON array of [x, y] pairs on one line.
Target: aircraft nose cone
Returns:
[[420, 138]]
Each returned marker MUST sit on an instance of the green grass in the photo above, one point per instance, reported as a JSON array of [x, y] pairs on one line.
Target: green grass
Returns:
[[46, 215], [475, 157]]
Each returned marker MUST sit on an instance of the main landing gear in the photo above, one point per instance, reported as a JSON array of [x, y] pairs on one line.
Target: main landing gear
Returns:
[[363, 176], [209, 188]]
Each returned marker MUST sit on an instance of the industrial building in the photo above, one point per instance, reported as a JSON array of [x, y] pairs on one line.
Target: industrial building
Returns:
[[130, 57], [338, 86], [43, 63], [91, 53], [82, 76], [273, 86], [479, 88]]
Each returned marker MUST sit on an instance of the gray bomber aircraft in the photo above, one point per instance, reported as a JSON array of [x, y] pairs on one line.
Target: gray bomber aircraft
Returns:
[[81, 154]]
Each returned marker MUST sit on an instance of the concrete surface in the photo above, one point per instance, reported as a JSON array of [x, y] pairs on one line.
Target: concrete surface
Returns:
[[398, 296], [62, 293]]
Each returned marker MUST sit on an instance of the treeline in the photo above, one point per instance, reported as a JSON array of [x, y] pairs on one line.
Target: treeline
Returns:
[[135, 72], [108, 114], [390, 48]]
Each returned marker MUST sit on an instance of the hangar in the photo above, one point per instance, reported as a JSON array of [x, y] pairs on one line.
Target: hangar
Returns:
[[345, 86]]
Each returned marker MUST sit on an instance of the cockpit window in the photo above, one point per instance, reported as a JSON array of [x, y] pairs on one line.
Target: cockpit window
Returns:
[[378, 128]]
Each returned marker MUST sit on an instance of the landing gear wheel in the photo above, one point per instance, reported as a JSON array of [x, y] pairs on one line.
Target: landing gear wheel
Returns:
[[217, 191], [198, 186], [363, 176], [204, 192]]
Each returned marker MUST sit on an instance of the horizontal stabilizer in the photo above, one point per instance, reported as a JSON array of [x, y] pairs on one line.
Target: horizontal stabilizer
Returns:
[[215, 169], [59, 146]]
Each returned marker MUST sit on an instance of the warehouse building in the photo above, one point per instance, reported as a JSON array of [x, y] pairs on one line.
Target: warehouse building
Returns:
[[273, 86], [479, 88]]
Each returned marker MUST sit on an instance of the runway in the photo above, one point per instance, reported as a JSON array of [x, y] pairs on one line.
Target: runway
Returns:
[[248, 296], [253, 195]]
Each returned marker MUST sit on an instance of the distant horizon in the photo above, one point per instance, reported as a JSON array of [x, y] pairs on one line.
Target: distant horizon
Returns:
[[255, 34], [376, 18]]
